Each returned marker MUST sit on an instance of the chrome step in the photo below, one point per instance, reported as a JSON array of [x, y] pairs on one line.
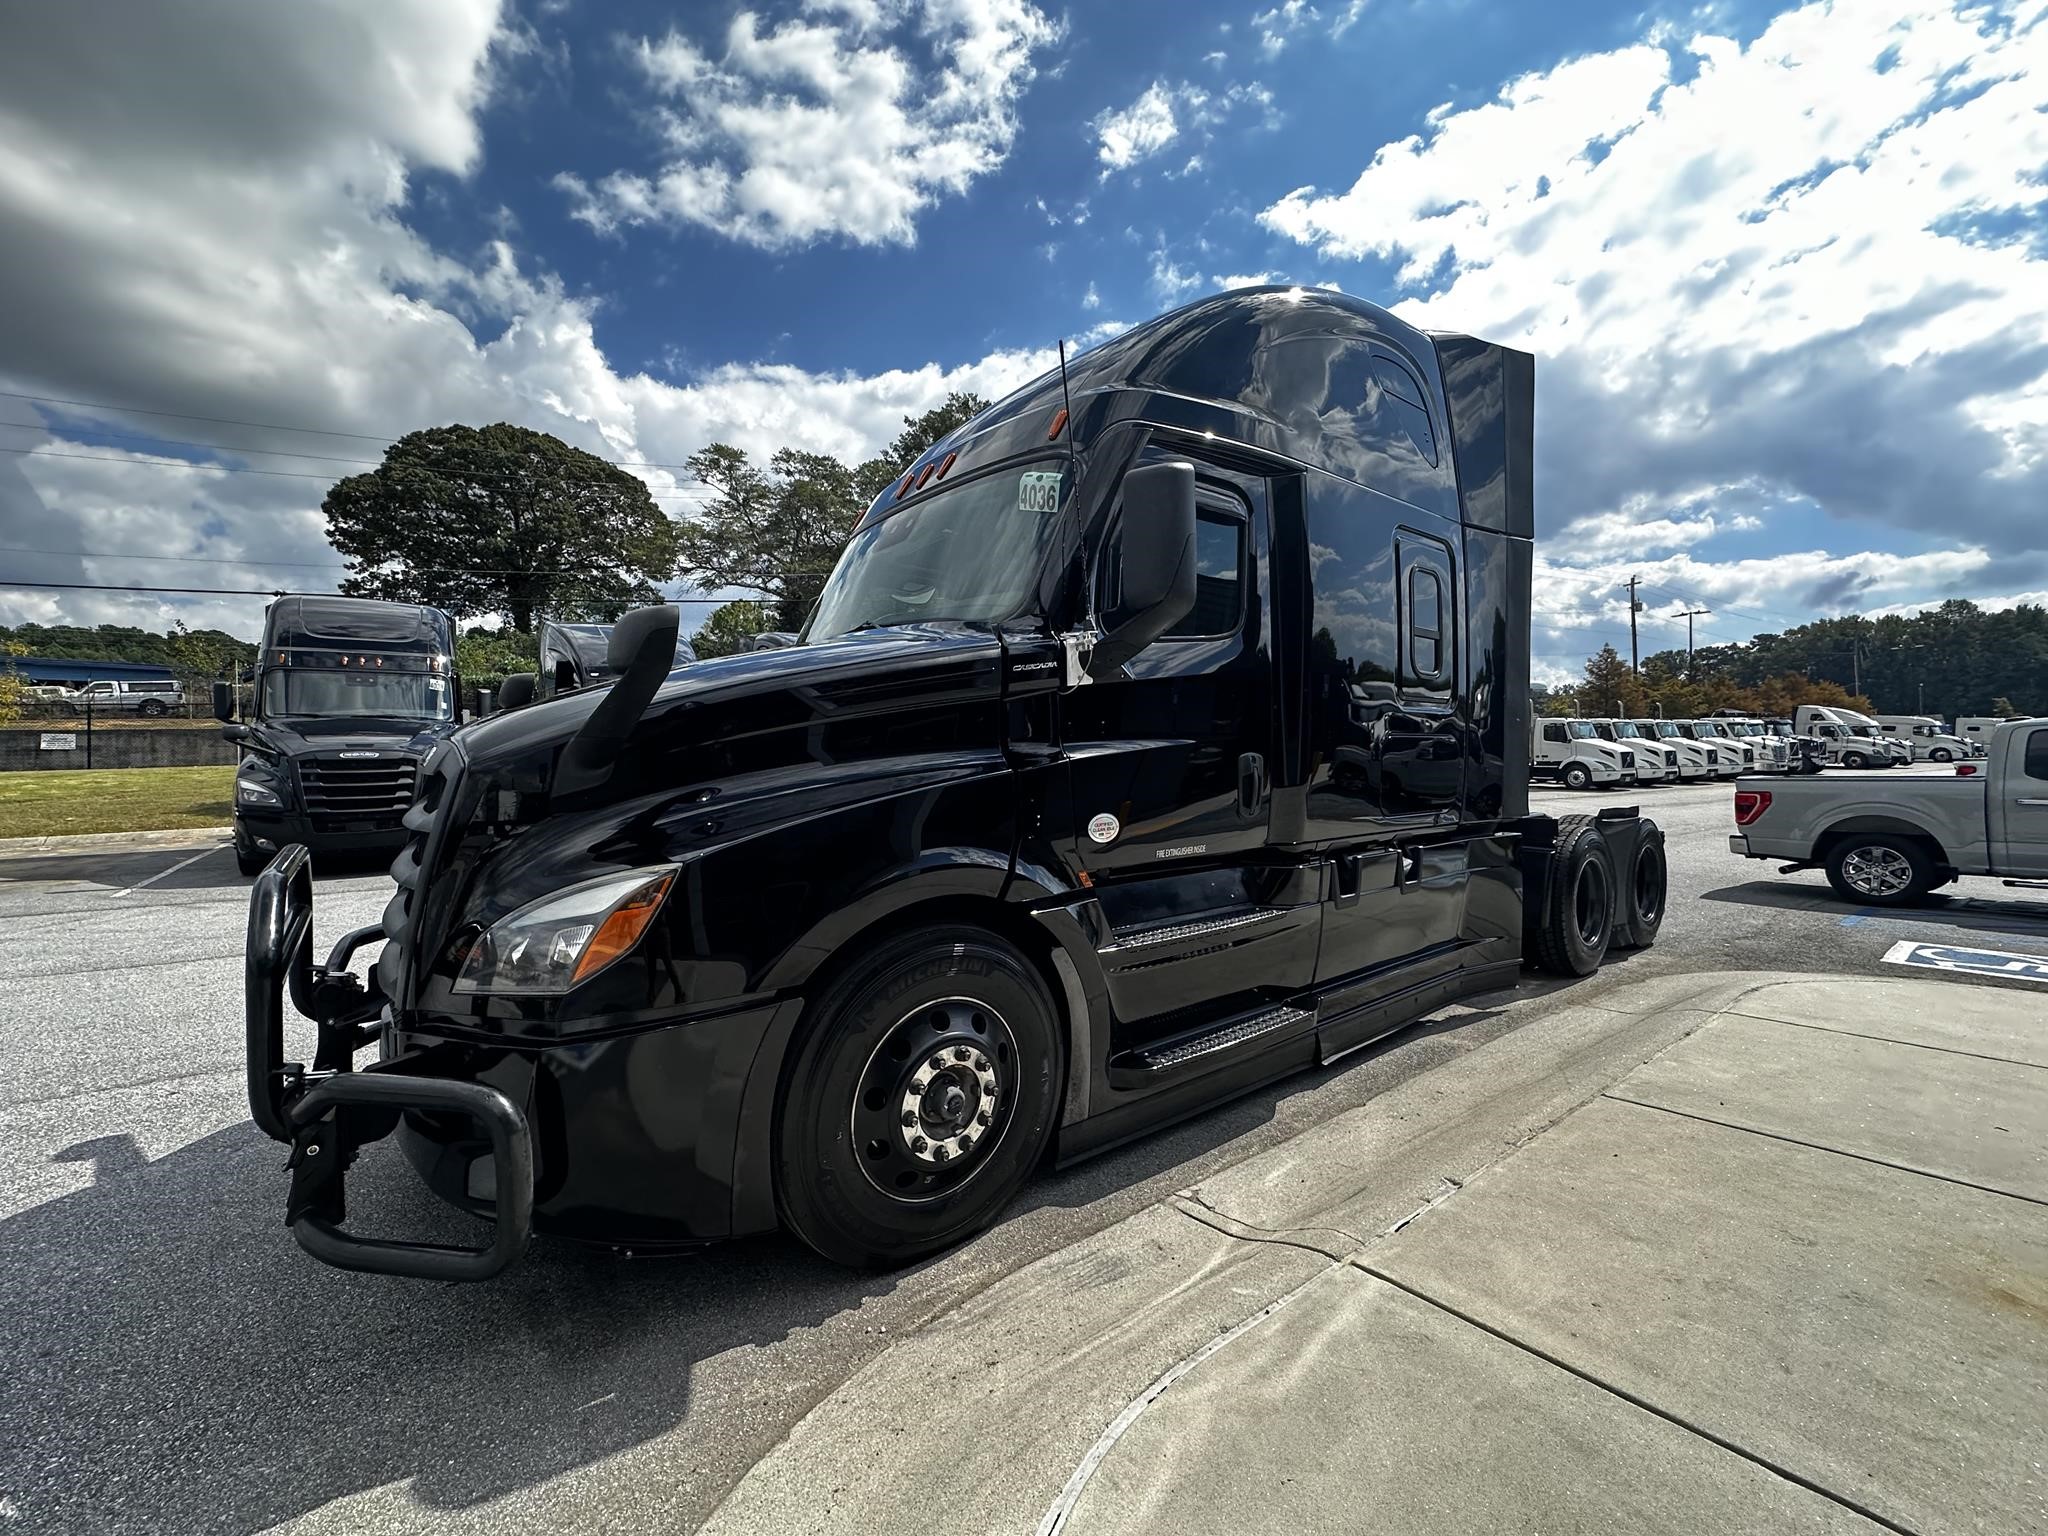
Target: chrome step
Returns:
[[1125, 941], [1181, 1053]]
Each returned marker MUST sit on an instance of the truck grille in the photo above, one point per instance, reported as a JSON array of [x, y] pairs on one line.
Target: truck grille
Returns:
[[358, 794], [437, 778]]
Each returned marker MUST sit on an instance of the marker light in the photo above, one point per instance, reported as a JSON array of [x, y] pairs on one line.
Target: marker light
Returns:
[[1059, 420], [926, 474], [946, 464]]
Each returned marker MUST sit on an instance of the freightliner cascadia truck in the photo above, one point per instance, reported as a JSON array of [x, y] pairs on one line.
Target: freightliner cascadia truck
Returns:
[[1161, 732]]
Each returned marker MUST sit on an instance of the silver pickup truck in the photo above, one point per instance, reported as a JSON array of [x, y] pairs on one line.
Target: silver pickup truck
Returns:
[[1888, 842]]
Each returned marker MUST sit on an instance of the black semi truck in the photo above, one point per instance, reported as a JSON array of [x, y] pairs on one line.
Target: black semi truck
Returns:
[[349, 694], [1161, 732]]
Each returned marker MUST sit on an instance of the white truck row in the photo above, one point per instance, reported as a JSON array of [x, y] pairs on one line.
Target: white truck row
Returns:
[[1597, 753]]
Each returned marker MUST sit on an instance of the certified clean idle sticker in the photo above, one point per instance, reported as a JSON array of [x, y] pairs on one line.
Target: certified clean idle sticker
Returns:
[[1038, 490], [1104, 828]]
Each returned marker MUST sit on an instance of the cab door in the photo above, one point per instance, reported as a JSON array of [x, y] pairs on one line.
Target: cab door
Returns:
[[1170, 776], [2022, 805]]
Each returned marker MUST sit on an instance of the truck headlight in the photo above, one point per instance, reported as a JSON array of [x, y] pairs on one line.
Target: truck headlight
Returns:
[[251, 792], [550, 945]]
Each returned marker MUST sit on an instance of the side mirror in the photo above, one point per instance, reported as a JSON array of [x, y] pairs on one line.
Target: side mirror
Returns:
[[1156, 560], [516, 691], [234, 733], [223, 701], [774, 640]]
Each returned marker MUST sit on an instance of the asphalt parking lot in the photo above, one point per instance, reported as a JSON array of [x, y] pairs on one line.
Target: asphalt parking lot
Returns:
[[173, 1363]]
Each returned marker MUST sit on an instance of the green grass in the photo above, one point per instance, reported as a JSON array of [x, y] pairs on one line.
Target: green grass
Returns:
[[58, 802]]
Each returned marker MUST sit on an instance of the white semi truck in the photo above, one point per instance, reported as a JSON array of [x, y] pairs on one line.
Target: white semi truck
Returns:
[[1572, 753], [1930, 739]]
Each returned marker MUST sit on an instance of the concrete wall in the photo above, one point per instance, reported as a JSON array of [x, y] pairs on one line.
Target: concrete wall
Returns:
[[166, 747]]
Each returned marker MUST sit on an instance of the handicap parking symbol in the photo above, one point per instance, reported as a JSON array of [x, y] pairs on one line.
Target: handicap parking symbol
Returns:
[[1974, 962]]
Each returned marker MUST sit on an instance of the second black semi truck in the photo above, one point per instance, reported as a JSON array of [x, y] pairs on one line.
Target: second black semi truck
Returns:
[[349, 694], [1161, 732]]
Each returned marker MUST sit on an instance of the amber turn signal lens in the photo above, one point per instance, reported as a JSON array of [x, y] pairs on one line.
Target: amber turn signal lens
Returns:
[[622, 928], [946, 464], [1059, 420], [925, 475]]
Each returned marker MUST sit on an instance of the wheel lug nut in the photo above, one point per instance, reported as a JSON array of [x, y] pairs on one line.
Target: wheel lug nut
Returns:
[[910, 1117], [941, 1152], [938, 1063], [962, 1053], [919, 1144], [982, 1118], [918, 1085]]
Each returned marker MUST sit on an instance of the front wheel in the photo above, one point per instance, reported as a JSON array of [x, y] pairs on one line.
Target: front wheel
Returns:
[[152, 707], [1578, 776], [1855, 760], [925, 1092], [1880, 870], [1942, 755]]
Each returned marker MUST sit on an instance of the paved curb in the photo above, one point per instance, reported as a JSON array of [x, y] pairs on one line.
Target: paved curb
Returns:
[[113, 842]]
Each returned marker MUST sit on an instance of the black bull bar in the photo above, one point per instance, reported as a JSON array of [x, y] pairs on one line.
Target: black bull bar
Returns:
[[328, 1113]]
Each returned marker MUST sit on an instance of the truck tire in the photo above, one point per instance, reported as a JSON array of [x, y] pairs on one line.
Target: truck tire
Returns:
[[1941, 755], [152, 707], [1880, 869], [1855, 760], [1577, 776], [1571, 934], [922, 1096], [1645, 889]]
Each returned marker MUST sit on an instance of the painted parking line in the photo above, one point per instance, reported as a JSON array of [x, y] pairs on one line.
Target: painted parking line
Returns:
[[1972, 962], [164, 873]]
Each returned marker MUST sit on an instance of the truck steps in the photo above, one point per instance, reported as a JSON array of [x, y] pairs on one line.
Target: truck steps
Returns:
[[1137, 946], [1198, 1050]]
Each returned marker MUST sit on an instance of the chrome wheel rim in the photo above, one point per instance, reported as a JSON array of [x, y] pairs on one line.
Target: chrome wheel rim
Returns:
[[1877, 871], [934, 1099]]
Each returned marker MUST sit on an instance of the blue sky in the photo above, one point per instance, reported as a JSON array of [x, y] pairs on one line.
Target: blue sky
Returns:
[[1783, 265]]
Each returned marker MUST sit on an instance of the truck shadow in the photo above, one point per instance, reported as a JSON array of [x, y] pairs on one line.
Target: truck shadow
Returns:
[[178, 1364], [1977, 913]]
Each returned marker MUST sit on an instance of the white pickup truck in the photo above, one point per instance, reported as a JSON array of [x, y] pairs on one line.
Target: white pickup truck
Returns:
[[1888, 842]]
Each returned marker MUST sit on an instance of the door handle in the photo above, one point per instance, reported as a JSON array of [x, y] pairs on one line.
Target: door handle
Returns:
[[1407, 867], [2026, 801], [1251, 783]]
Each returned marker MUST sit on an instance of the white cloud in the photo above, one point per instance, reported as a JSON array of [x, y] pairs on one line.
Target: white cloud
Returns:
[[826, 128], [1787, 264], [1243, 279], [1091, 299], [1164, 113], [1348, 17], [1124, 136], [1171, 282], [1216, 60], [1276, 27], [247, 258]]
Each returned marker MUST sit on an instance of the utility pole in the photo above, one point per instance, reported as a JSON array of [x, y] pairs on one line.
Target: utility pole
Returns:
[[1689, 615], [1634, 608]]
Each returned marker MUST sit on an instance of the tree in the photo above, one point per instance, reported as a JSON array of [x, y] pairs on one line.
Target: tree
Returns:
[[485, 657], [779, 532], [11, 687], [504, 520], [731, 628], [2002, 708], [200, 656]]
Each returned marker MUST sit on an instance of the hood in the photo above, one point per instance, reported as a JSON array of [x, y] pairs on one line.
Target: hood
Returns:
[[360, 733], [760, 693]]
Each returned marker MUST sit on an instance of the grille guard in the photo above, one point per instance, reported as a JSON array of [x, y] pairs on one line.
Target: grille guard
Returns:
[[329, 1113]]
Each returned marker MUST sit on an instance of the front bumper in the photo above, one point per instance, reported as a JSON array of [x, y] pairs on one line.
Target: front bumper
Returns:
[[328, 1113], [270, 830]]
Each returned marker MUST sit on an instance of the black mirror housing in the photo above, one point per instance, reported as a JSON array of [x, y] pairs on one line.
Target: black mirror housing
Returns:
[[516, 691], [232, 732], [223, 701], [1157, 561]]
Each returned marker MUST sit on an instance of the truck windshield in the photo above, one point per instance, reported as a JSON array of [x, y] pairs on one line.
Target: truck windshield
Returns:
[[1626, 729], [1663, 730], [969, 554], [1582, 731], [389, 695]]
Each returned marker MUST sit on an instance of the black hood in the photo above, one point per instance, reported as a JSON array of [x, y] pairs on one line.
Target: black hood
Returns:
[[755, 692], [293, 735]]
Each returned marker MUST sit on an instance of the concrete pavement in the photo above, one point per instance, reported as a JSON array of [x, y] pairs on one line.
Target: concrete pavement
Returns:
[[1742, 1253]]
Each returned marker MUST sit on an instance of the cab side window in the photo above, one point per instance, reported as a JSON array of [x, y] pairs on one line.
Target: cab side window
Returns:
[[2035, 764], [1221, 572], [1555, 733]]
